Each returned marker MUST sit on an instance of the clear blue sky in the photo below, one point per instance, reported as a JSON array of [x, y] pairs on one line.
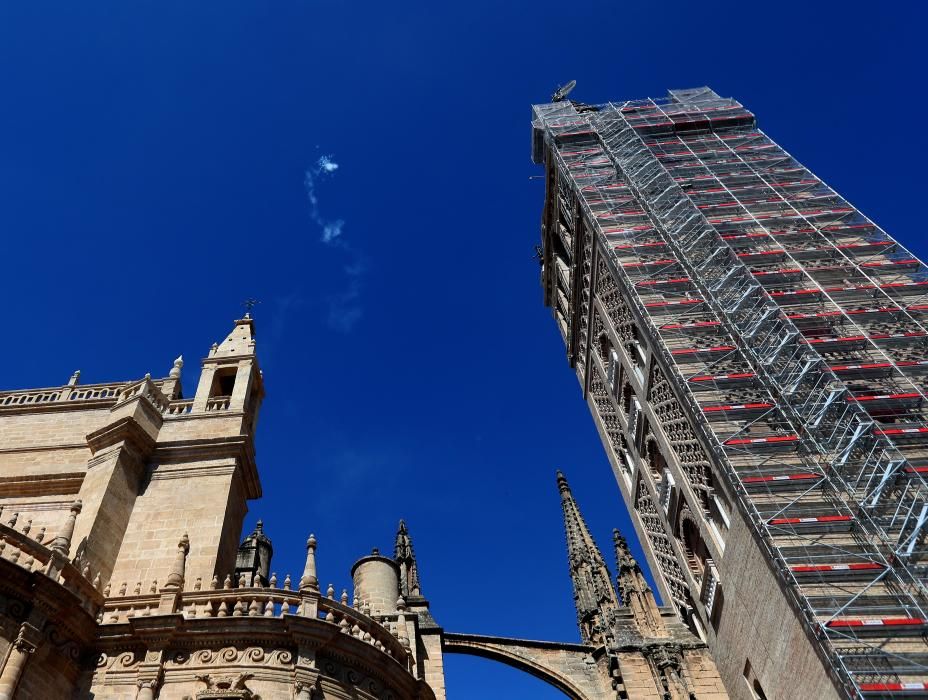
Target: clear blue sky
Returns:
[[152, 175]]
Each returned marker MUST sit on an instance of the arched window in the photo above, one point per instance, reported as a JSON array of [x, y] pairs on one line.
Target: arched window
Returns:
[[693, 546]]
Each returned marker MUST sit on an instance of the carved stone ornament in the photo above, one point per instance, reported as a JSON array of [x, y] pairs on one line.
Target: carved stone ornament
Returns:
[[226, 687]]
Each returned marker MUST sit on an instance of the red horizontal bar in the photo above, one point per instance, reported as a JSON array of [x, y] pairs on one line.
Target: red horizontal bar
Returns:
[[878, 622], [763, 441], [665, 304], [810, 521], [885, 397], [812, 568], [693, 351], [666, 261], [659, 244], [672, 280], [721, 377], [697, 324], [900, 431], [891, 687], [868, 365], [737, 407], [786, 477]]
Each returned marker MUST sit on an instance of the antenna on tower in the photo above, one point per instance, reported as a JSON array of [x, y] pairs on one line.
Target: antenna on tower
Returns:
[[563, 91]]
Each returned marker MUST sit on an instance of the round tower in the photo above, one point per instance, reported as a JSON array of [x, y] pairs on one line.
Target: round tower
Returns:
[[376, 581]]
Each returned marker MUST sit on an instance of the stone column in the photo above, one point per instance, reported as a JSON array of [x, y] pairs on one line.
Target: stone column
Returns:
[[306, 675], [146, 690], [26, 642]]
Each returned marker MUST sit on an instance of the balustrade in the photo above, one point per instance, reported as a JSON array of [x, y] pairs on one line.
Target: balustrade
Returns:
[[18, 548], [218, 403], [225, 600]]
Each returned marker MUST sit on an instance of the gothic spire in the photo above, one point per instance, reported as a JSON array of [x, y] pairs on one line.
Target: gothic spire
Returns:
[[635, 592], [405, 557], [594, 596]]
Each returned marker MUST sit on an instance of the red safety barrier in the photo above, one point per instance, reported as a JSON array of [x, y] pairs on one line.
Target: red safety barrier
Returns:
[[877, 622], [696, 325], [698, 351], [907, 687], [835, 568], [758, 405], [658, 305], [772, 440], [885, 397], [816, 520], [901, 432], [780, 478], [721, 377]]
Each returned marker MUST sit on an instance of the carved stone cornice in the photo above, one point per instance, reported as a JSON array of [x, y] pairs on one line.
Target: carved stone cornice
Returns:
[[241, 448], [124, 430], [187, 639]]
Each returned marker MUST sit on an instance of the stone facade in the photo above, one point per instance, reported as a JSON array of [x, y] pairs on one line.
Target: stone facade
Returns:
[[104, 594], [116, 584]]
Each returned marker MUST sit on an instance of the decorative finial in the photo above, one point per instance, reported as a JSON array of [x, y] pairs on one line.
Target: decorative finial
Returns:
[[562, 485], [175, 580], [178, 365], [62, 543], [75, 378], [309, 581]]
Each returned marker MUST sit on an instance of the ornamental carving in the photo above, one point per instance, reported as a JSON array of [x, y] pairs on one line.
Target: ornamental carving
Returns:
[[351, 676], [231, 687], [689, 452], [231, 656], [661, 546]]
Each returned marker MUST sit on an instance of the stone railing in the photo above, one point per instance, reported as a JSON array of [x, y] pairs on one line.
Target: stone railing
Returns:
[[58, 395], [180, 407], [218, 403], [257, 601], [167, 407], [146, 388], [109, 394], [29, 553]]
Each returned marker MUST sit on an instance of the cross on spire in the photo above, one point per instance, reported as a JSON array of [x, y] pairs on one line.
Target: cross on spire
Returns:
[[249, 304]]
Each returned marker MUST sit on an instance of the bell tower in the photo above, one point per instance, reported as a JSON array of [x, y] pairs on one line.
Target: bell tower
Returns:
[[199, 468]]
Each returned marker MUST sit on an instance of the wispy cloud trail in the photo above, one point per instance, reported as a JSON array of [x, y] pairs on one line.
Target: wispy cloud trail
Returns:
[[344, 307]]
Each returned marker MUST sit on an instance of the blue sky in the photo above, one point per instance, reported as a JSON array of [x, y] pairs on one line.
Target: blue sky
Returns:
[[154, 174]]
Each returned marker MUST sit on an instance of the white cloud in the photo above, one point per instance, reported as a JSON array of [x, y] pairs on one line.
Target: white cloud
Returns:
[[344, 307], [332, 230], [325, 164]]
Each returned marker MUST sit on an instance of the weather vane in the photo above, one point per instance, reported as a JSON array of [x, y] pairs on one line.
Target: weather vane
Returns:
[[249, 304]]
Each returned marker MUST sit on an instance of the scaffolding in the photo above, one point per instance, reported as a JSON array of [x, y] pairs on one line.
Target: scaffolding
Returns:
[[795, 334]]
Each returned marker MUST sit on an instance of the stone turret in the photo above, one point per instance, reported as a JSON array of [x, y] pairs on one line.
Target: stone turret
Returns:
[[376, 582], [230, 378]]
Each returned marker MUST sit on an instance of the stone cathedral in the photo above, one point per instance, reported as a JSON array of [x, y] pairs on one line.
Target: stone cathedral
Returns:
[[116, 583]]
